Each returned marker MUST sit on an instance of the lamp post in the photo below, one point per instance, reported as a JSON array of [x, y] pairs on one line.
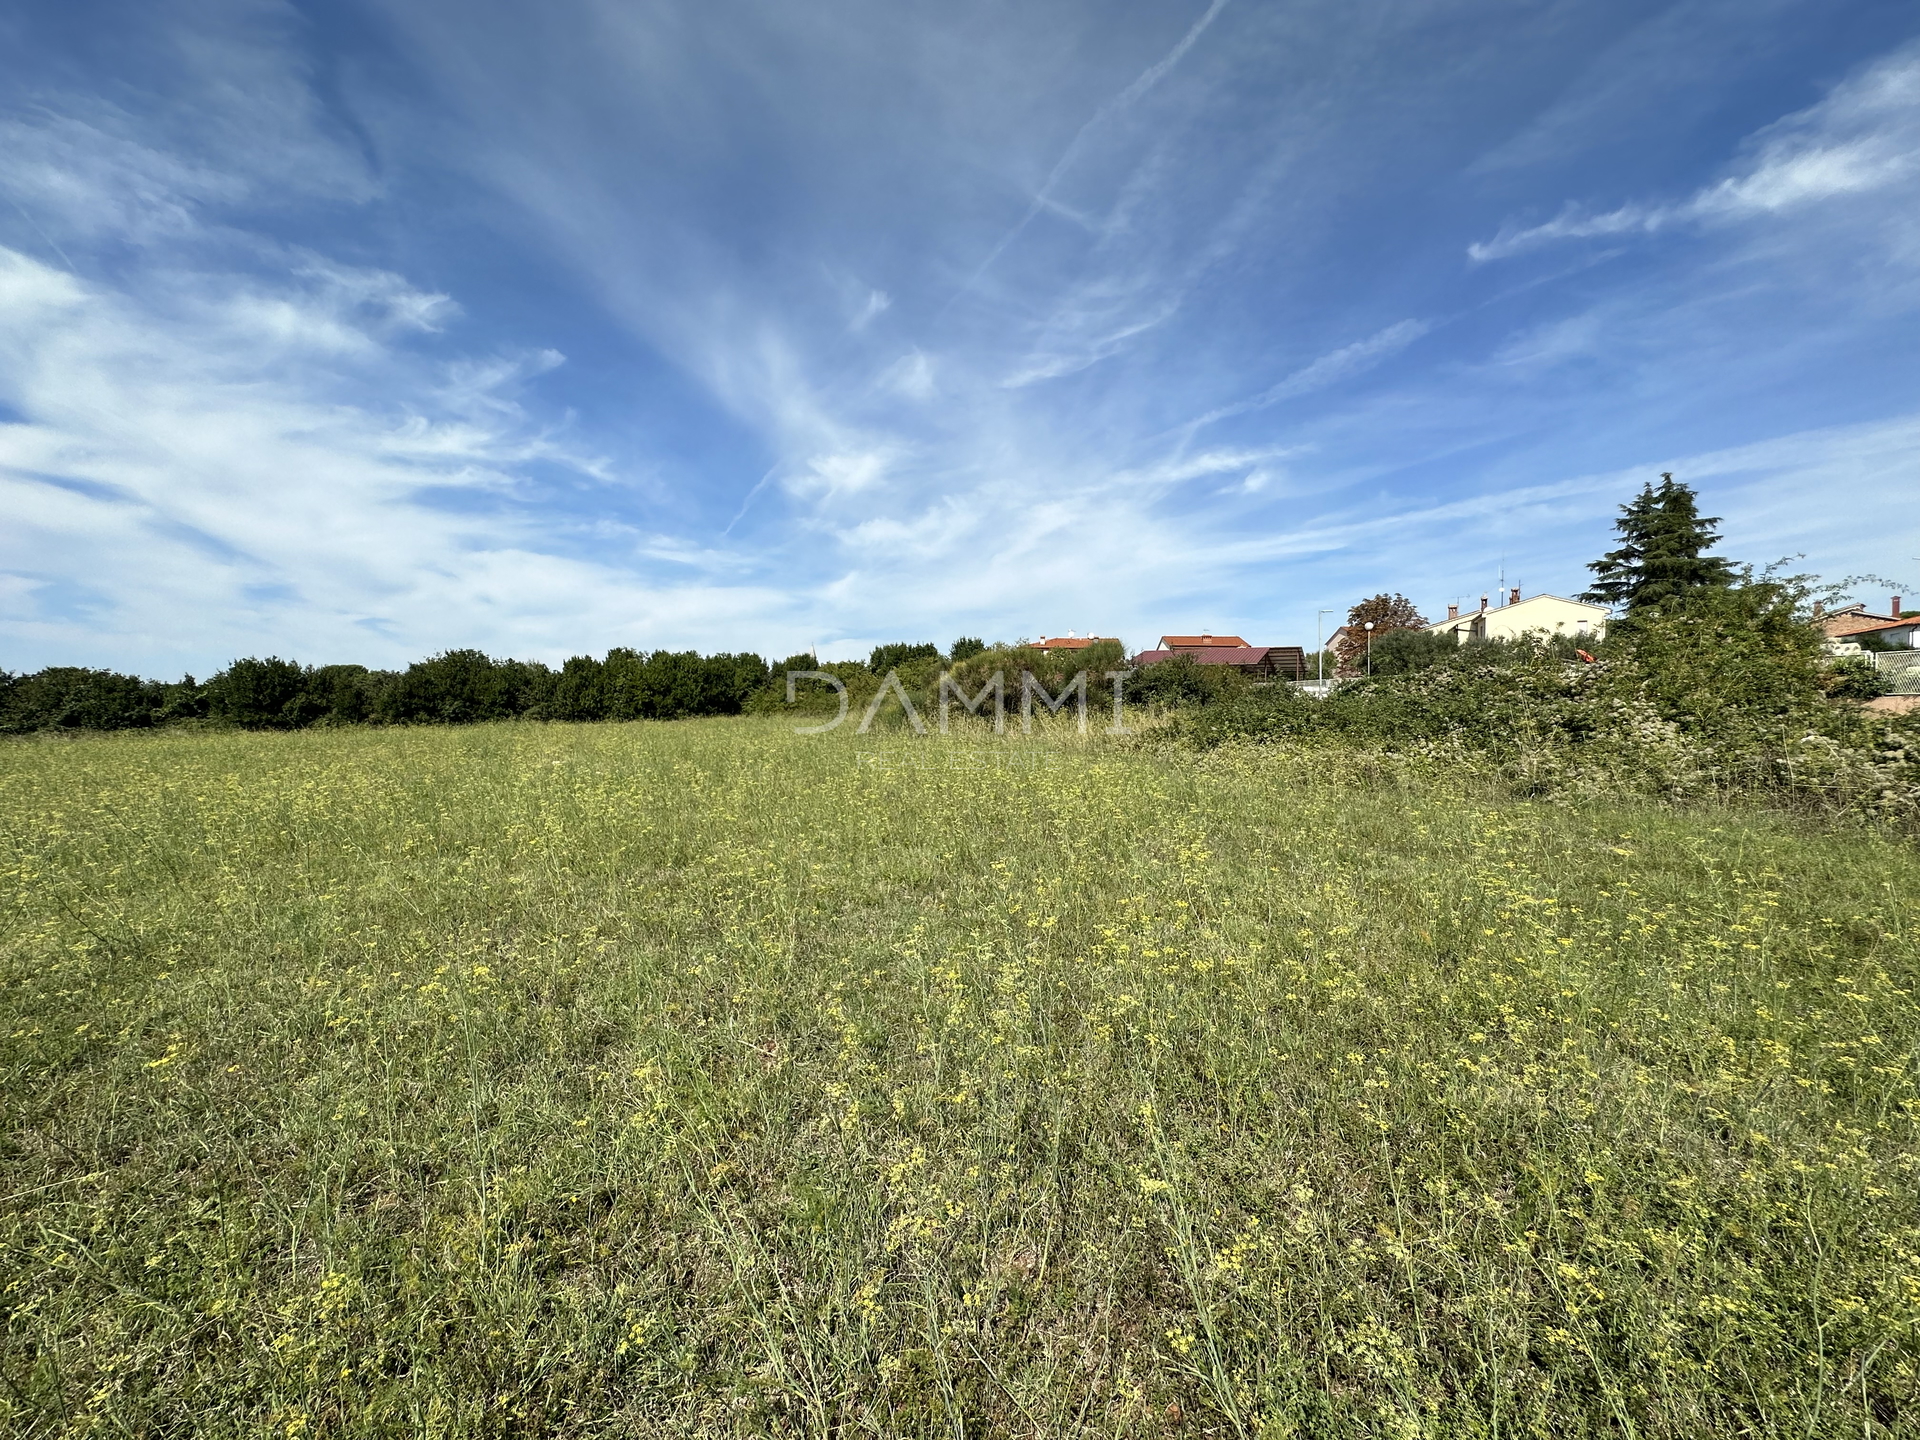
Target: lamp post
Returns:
[[1320, 644], [1369, 628]]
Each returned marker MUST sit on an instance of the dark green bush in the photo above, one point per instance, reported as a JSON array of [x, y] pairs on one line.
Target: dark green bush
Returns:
[[347, 694], [458, 687], [1053, 672], [814, 698], [891, 657], [270, 694], [462, 687], [1401, 652], [669, 685], [69, 697], [579, 691], [965, 648], [1180, 680], [1851, 678]]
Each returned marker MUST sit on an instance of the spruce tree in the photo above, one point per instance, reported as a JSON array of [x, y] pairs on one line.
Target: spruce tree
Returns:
[[1661, 558], [1618, 572]]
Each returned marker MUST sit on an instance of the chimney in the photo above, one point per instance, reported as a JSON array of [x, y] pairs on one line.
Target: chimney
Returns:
[[1453, 612], [1514, 597], [1483, 602], [1896, 607]]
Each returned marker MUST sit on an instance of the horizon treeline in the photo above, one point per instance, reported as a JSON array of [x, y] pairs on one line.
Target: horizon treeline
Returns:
[[456, 687]]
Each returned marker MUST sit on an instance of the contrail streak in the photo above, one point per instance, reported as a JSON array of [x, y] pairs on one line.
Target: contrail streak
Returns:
[[1148, 79]]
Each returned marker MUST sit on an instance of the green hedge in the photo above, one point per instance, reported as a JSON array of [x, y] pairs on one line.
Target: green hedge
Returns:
[[454, 688]]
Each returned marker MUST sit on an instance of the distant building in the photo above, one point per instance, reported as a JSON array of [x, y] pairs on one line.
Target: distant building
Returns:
[[1195, 644], [1070, 643], [1894, 634], [1845, 629], [1536, 615]]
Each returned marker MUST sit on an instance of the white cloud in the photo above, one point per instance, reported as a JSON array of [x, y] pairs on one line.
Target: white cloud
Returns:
[[878, 302], [1328, 369], [1090, 351], [1150, 77], [186, 463], [844, 472], [218, 416], [1863, 138], [910, 376]]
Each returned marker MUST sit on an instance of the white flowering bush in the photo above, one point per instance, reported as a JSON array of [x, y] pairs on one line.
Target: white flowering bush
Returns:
[[1727, 696]]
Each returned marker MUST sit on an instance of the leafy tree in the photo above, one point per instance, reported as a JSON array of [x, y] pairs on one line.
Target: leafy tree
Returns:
[[965, 648], [1662, 556], [69, 697], [890, 657], [1404, 650], [347, 694], [580, 691], [1387, 612], [269, 694], [463, 686], [670, 685], [1183, 680]]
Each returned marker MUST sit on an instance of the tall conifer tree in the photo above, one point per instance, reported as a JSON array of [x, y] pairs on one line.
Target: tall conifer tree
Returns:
[[1662, 555]]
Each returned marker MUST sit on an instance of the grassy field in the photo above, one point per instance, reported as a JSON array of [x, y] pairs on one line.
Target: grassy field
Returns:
[[699, 1079]]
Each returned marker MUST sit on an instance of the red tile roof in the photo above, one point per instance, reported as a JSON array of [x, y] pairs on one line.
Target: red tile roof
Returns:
[[1201, 642], [1070, 643]]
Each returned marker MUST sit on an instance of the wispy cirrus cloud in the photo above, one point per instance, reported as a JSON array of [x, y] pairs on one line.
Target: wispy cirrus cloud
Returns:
[[1043, 198], [1326, 370], [282, 341], [1862, 139]]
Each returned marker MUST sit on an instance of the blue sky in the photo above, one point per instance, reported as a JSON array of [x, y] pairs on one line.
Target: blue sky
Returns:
[[362, 331]]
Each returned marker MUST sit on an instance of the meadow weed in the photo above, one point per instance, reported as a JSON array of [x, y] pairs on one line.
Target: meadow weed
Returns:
[[701, 1079]]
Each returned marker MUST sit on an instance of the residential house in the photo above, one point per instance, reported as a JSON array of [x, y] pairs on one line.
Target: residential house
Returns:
[[1536, 615], [1846, 629], [1889, 635], [1069, 644], [1195, 644]]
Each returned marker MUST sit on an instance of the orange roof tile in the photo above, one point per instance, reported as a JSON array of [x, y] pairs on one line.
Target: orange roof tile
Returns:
[[1072, 642], [1201, 642]]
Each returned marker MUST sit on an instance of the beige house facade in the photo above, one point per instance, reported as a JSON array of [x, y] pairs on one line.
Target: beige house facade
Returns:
[[1536, 615]]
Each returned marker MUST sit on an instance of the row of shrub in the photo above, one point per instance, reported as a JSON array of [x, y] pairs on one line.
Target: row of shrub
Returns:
[[458, 687], [1723, 690], [465, 686], [972, 665]]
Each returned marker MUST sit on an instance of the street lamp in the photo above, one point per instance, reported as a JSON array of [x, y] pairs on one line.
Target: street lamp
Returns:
[[1369, 628]]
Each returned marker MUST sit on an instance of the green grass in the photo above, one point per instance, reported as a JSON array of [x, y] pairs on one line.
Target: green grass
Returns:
[[698, 1079]]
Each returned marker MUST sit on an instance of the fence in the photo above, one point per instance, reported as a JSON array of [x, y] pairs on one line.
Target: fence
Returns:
[[1902, 667]]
